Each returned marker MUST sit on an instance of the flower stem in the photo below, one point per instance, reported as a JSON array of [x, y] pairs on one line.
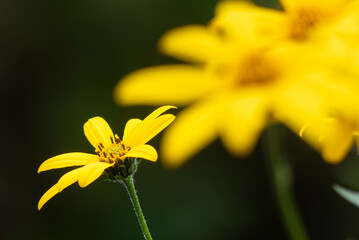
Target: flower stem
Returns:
[[130, 187], [280, 174]]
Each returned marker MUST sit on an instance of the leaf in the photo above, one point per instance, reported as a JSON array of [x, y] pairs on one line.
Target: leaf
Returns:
[[349, 195]]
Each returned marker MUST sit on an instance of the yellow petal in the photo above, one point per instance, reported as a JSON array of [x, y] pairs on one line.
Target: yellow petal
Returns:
[[191, 43], [98, 131], [293, 5], [47, 196], [143, 151], [155, 128], [68, 160], [337, 141], [91, 172], [242, 123], [175, 84], [68, 179], [299, 106], [246, 21], [193, 129], [65, 181], [130, 125], [150, 125]]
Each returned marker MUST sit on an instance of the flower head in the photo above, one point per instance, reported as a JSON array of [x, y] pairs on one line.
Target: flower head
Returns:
[[232, 89], [249, 67], [111, 151]]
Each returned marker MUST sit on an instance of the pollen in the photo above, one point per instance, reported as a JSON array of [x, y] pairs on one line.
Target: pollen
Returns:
[[113, 153]]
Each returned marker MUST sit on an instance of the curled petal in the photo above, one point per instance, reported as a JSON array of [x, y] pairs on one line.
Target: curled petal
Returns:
[[68, 160], [156, 127], [149, 127], [143, 151], [98, 131]]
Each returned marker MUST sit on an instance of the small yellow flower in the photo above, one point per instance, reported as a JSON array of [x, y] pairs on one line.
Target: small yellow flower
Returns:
[[111, 151]]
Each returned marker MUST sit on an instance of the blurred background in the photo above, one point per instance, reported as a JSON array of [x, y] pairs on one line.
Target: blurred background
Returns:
[[59, 63]]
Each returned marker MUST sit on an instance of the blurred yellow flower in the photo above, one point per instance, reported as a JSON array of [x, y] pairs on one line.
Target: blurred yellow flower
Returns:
[[247, 70], [111, 152], [234, 84]]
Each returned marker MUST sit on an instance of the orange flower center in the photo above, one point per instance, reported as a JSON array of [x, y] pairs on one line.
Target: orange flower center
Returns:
[[256, 70], [114, 153], [303, 20]]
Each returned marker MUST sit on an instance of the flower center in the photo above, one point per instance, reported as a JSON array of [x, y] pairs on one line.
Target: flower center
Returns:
[[114, 153], [256, 70], [303, 20]]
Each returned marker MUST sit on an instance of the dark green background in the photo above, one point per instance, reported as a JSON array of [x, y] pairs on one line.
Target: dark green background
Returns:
[[59, 63]]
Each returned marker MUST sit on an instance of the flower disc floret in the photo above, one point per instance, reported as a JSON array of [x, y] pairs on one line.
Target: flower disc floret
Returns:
[[114, 153]]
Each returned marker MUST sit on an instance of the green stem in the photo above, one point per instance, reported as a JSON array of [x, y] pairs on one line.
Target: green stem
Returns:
[[280, 173], [130, 187]]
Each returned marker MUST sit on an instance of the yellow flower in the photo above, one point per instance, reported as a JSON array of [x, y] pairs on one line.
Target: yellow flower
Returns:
[[111, 151], [248, 70], [233, 86]]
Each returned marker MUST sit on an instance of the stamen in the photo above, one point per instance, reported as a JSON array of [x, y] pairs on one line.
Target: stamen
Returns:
[[112, 141], [117, 139], [98, 153]]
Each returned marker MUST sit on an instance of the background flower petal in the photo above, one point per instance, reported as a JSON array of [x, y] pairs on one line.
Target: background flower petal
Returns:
[[194, 128], [242, 123], [176, 84], [192, 43], [337, 141], [244, 18], [68, 160]]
